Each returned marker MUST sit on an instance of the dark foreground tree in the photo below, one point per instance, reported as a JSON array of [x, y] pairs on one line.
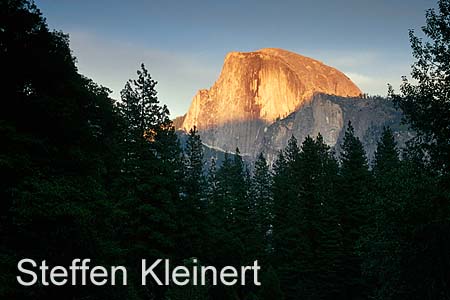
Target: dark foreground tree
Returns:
[[57, 129], [151, 159], [84, 177], [352, 205], [306, 234], [387, 155], [261, 205], [422, 219], [426, 102], [193, 205], [406, 242]]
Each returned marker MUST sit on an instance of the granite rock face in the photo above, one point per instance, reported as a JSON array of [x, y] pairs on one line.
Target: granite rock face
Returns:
[[329, 116], [178, 121], [264, 85], [262, 98]]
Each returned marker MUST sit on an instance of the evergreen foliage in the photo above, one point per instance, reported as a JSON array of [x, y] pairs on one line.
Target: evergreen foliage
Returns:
[[353, 206], [425, 101], [84, 176], [261, 205]]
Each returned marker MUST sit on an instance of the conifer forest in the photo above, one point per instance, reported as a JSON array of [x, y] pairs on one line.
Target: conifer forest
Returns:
[[86, 176]]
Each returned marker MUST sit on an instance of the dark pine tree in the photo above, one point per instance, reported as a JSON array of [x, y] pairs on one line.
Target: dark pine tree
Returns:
[[425, 102], [426, 107], [193, 204], [194, 164], [352, 205], [58, 133], [414, 200], [262, 204], [387, 156], [318, 170], [285, 233], [151, 155], [231, 220], [379, 243], [312, 247], [240, 223]]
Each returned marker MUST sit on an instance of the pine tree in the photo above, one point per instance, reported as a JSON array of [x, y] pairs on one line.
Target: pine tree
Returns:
[[262, 201], [285, 189], [353, 158], [225, 189], [193, 205], [386, 156], [221, 246], [151, 164], [279, 191], [212, 184], [353, 207], [377, 244], [58, 129], [426, 107], [424, 101], [292, 151], [317, 239], [306, 237], [144, 117], [404, 238], [194, 173], [284, 230], [241, 218]]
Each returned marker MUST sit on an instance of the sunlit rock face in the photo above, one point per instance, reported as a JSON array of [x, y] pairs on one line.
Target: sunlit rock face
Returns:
[[254, 90], [264, 85], [263, 98]]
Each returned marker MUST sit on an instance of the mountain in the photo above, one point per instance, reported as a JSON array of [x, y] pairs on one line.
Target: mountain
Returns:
[[329, 115], [264, 85], [261, 98], [178, 121]]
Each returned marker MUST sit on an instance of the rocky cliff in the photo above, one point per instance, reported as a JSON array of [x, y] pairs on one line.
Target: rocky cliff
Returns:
[[262, 98], [329, 116], [264, 85]]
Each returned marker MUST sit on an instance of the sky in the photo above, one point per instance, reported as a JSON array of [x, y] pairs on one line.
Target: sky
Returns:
[[183, 43]]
